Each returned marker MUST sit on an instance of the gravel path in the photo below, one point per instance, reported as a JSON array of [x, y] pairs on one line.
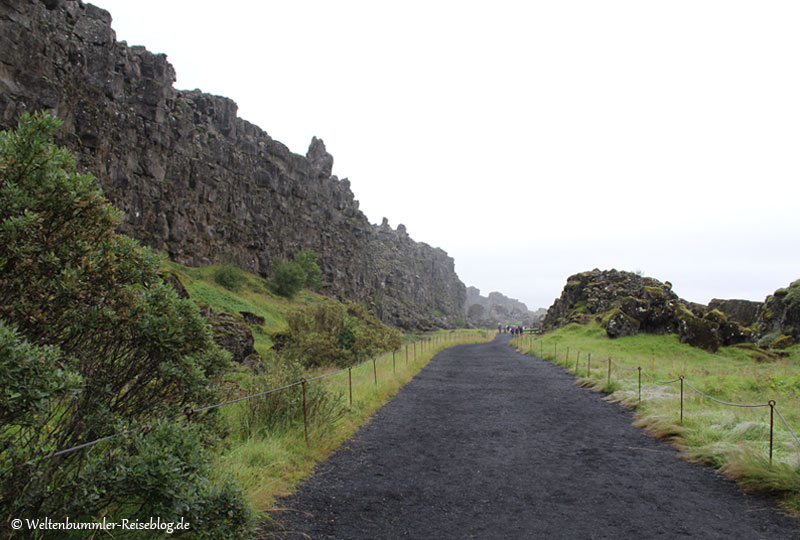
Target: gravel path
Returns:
[[489, 443]]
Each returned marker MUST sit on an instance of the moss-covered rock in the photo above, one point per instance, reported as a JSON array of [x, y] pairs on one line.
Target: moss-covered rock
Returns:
[[232, 333], [635, 308], [620, 324], [696, 331], [780, 313], [782, 342], [172, 279], [730, 332]]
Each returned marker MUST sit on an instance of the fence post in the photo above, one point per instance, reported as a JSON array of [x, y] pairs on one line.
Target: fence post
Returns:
[[566, 358], [406, 353], [305, 413], [415, 351], [608, 381], [393, 368], [588, 365], [555, 353], [640, 382], [771, 425], [577, 361], [681, 399], [375, 372], [350, 384]]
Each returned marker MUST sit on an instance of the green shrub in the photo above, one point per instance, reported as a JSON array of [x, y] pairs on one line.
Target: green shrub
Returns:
[[288, 278], [335, 334], [92, 343], [313, 275], [229, 276]]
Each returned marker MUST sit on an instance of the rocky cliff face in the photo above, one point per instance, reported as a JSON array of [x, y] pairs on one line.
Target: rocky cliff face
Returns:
[[199, 183], [489, 311]]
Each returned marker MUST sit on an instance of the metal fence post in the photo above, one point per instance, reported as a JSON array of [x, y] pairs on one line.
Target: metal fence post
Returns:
[[681, 377], [375, 372], [589, 365], [771, 425], [608, 381], [350, 384], [577, 361], [640, 382]]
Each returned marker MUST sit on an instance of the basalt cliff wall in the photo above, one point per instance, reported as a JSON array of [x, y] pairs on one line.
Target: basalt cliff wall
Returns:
[[199, 183]]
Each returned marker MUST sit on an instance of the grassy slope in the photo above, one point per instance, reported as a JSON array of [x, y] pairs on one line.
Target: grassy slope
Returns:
[[732, 438], [254, 296], [267, 465]]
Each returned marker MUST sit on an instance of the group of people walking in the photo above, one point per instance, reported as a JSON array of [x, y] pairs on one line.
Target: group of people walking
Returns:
[[514, 330]]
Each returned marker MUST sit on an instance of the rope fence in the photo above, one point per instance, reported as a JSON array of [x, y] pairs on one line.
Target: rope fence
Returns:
[[681, 379], [426, 344]]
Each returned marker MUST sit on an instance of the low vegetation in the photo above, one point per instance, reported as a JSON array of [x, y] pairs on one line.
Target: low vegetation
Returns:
[[93, 343], [735, 439]]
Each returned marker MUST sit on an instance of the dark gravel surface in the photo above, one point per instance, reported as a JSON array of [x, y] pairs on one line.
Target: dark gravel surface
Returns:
[[489, 443]]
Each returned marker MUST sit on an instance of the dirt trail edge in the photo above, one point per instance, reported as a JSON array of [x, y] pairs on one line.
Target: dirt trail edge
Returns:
[[489, 443]]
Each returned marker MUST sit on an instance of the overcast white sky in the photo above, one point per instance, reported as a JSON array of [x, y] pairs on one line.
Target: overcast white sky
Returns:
[[529, 139]]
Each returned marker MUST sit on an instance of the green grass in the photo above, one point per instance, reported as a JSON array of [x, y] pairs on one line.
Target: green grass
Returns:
[[734, 439], [254, 295]]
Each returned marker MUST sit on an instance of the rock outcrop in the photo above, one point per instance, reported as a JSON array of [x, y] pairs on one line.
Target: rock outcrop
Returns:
[[780, 313], [626, 303], [199, 183], [743, 312]]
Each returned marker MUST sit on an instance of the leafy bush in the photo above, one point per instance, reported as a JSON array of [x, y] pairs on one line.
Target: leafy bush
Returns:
[[290, 276], [92, 342], [335, 334], [229, 276], [313, 275]]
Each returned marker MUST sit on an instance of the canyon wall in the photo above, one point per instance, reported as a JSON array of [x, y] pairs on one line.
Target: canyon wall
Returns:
[[200, 184]]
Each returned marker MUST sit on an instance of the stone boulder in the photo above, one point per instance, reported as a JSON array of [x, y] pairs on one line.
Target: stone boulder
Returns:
[[232, 333], [730, 331], [780, 313], [620, 324], [697, 331], [252, 318], [743, 312], [173, 280]]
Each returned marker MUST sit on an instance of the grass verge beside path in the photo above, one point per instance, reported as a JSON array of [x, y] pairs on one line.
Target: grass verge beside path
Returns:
[[733, 439], [270, 463]]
